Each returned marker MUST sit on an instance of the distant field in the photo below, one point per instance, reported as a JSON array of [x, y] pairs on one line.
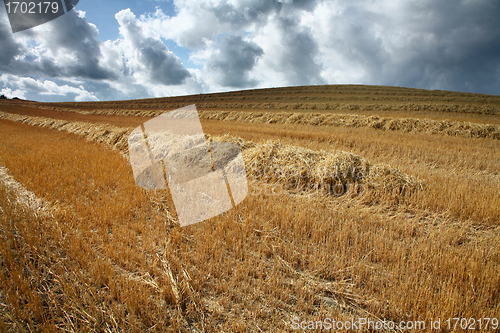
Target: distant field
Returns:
[[82, 248], [333, 97]]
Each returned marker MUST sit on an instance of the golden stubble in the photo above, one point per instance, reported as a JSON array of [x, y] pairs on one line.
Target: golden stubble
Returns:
[[113, 258]]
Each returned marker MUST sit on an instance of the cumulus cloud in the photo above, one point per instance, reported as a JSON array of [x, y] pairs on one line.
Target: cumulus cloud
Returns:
[[150, 55], [197, 23], [231, 65], [73, 41], [425, 44], [65, 47], [23, 85], [71, 48], [273, 33], [297, 54], [10, 48], [448, 45], [134, 66], [7, 92]]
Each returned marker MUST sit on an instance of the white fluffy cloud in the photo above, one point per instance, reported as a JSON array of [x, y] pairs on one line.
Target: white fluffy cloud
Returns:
[[147, 57], [46, 87]]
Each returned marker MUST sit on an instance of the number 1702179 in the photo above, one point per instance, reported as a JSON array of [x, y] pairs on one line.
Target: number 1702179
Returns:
[[472, 323], [15, 7]]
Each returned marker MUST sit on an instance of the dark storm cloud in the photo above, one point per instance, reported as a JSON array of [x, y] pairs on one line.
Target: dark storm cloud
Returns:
[[68, 35], [234, 61], [465, 52], [256, 11], [74, 35], [451, 45], [9, 47], [161, 65], [298, 49], [299, 59], [210, 17]]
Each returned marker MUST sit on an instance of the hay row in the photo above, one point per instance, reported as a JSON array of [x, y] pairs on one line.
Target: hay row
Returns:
[[112, 112], [350, 103], [153, 107], [294, 168], [407, 125], [115, 137], [330, 172]]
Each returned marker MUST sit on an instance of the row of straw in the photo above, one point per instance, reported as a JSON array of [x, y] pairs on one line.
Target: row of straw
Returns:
[[407, 125], [294, 168], [446, 127], [467, 104], [116, 137]]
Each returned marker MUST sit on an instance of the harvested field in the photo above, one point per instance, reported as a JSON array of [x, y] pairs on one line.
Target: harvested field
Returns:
[[345, 98], [24, 199], [113, 136], [407, 125], [295, 168], [387, 124], [349, 216], [329, 172]]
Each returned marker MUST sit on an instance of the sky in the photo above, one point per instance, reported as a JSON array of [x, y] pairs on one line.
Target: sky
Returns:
[[115, 50]]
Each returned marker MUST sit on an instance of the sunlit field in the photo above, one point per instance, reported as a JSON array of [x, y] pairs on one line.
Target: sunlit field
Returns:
[[414, 237]]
